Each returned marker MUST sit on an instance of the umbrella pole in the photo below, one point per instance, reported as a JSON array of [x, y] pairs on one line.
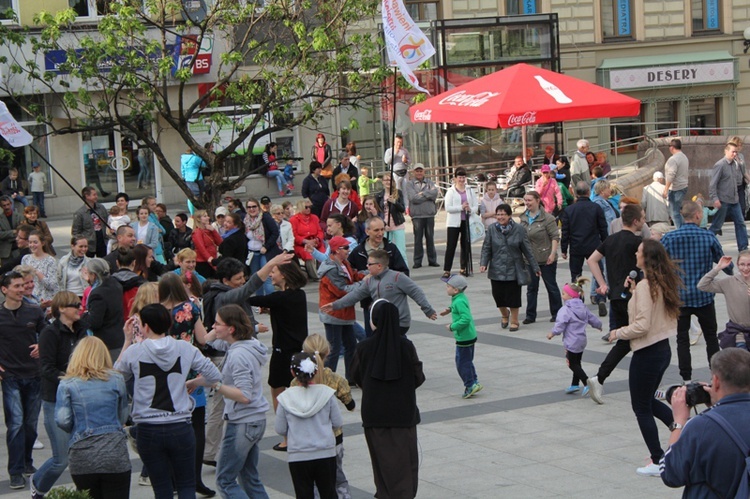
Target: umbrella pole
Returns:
[[523, 143]]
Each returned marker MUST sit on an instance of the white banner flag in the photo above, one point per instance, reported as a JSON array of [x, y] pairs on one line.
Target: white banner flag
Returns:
[[407, 46], [11, 130]]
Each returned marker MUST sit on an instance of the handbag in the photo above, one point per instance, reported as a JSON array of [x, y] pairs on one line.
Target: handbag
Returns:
[[476, 228]]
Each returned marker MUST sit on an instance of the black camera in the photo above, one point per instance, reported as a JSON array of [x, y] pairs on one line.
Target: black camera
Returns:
[[694, 395]]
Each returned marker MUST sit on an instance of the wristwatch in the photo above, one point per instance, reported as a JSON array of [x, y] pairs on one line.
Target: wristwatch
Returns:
[[675, 426]]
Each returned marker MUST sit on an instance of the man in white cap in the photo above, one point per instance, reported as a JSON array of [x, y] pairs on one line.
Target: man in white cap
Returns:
[[220, 214], [421, 194], [654, 203]]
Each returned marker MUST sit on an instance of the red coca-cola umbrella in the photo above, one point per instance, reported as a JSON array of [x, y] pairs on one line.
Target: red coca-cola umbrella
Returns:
[[523, 95]]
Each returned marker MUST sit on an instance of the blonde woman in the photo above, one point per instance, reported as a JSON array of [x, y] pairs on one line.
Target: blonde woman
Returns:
[[92, 405], [206, 239]]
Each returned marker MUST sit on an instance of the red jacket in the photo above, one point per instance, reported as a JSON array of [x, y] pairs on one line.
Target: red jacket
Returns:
[[306, 227], [206, 242], [330, 292], [350, 211]]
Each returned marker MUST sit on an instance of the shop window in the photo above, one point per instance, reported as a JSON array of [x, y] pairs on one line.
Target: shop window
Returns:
[[617, 19], [423, 10], [90, 8], [666, 118], [516, 7], [705, 16], [703, 116], [626, 133], [5, 7]]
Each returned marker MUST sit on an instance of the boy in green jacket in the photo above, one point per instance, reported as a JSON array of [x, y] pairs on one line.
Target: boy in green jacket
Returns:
[[465, 333]]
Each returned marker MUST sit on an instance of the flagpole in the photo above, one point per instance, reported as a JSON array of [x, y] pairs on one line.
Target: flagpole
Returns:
[[393, 138]]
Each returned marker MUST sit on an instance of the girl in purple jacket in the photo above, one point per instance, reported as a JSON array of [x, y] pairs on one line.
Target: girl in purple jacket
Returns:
[[571, 323]]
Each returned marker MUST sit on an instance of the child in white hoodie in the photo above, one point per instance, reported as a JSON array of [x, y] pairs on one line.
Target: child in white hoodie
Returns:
[[306, 416]]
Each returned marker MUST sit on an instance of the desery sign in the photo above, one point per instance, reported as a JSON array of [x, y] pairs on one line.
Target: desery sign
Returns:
[[665, 76]]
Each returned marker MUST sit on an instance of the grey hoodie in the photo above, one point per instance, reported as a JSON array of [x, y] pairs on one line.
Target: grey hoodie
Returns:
[[160, 368], [307, 417], [243, 369], [394, 287]]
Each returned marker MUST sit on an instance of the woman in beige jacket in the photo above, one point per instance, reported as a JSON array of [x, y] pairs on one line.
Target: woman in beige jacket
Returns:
[[652, 315]]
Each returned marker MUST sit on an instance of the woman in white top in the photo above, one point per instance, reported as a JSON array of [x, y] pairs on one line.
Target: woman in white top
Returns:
[[286, 236], [460, 203], [45, 277], [69, 268]]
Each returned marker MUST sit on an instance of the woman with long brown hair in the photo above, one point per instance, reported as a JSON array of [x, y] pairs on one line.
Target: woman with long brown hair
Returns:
[[652, 313]]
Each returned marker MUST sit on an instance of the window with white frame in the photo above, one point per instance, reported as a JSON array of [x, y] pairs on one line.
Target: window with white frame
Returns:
[[90, 8], [5, 6]]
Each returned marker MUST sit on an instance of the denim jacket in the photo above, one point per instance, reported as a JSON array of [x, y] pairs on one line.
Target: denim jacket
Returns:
[[94, 407]]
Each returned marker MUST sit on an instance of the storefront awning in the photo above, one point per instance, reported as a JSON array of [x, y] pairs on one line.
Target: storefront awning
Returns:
[[669, 70]]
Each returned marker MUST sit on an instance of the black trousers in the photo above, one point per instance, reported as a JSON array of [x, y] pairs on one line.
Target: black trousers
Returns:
[[707, 319], [618, 318], [199, 429], [104, 485], [574, 363], [320, 473], [424, 228], [450, 246]]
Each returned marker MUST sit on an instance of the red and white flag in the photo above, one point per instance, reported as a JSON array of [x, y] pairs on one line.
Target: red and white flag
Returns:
[[407, 46], [11, 130]]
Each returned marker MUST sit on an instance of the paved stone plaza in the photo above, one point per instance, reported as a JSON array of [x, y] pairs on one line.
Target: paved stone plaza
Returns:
[[520, 437]]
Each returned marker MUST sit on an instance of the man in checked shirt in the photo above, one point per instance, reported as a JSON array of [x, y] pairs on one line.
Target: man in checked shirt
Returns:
[[695, 251]]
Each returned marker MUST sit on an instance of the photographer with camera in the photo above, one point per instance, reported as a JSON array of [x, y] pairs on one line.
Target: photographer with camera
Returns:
[[702, 456]]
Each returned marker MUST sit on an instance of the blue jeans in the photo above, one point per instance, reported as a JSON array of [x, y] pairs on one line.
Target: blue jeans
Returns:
[[549, 273], [339, 335], [53, 467], [465, 365], [359, 332], [21, 404], [646, 370], [740, 231], [239, 457], [280, 179], [256, 264], [675, 205], [39, 202], [168, 451]]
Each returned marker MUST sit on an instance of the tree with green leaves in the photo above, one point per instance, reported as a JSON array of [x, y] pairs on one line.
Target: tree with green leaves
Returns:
[[278, 64]]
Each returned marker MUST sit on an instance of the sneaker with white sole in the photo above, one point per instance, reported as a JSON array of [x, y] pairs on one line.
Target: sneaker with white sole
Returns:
[[17, 482], [38, 445], [476, 388], [596, 390], [144, 481], [585, 391], [650, 469], [572, 389]]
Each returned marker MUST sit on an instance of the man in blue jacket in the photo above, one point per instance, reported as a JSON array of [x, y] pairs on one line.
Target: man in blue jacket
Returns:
[[584, 228], [702, 457]]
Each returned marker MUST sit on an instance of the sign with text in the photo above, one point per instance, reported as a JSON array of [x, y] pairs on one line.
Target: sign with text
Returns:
[[670, 76]]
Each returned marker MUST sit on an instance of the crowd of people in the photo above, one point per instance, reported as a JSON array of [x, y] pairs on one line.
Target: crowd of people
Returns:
[[147, 328]]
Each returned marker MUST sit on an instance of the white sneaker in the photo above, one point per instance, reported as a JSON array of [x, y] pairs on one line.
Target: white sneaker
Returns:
[[596, 390], [650, 469], [38, 445], [144, 481]]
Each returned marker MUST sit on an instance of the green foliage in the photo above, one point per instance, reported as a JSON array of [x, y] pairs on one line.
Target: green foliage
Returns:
[[66, 493], [291, 58]]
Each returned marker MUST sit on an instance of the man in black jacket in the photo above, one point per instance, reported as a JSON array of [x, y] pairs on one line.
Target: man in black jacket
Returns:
[[22, 241], [584, 228], [375, 230]]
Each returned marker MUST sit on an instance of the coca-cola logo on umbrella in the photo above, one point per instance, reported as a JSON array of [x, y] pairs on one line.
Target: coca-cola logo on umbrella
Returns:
[[526, 118], [425, 115], [468, 100]]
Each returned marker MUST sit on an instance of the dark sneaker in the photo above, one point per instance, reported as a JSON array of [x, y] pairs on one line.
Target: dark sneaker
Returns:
[[30, 470], [17, 482], [602, 309], [529, 321]]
